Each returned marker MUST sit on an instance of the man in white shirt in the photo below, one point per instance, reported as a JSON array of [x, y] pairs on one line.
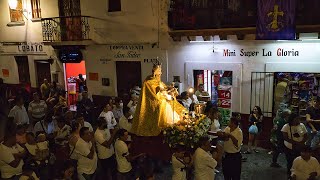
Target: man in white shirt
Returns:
[[84, 123], [305, 166], [184, 100], [123, 156], [108, 115], [294, 135], [87, 157], [11, 157], [104, 140], [204, 161], [231, 163], [19, 112], [37, 109], [124, 120]]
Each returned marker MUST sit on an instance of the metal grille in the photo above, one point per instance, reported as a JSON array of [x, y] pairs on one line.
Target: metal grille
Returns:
[[262, 92], [70, 28]]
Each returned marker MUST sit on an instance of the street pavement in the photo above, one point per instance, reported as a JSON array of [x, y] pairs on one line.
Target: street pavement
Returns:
[[257, 167]]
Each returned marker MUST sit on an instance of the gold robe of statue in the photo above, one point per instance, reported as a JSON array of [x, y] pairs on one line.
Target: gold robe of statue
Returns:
[[154, 111]]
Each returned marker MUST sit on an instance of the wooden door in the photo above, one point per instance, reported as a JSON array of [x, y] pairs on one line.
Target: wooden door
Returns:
[[128, 76], [43, 72], [23, 68]]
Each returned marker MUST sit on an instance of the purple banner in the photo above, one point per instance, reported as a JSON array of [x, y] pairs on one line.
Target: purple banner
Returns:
[[276, 20]]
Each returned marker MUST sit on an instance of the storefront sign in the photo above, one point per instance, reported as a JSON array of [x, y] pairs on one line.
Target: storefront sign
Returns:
[[30, 47], [23, 49], [263, 52], [127, 51]]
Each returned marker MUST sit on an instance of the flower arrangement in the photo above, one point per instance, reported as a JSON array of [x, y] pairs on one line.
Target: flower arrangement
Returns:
[[187, 132]]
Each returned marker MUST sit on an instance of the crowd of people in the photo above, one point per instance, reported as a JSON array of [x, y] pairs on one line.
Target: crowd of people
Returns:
[[45, 140]]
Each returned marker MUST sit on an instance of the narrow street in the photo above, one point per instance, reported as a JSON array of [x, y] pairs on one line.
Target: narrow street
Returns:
[[257, 167]]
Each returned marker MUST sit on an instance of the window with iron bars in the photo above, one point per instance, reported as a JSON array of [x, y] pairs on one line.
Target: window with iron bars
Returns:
[[36, 10]]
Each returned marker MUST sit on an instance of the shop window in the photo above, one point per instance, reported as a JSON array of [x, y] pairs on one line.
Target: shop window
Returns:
[[23, 69], [114, 5], [16, 15], [36, 10]]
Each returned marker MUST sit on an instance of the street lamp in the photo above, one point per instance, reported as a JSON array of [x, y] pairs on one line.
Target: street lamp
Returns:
[[13, 4]]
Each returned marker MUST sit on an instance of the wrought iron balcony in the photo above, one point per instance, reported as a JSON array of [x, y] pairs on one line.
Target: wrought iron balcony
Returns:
[[69, 28]]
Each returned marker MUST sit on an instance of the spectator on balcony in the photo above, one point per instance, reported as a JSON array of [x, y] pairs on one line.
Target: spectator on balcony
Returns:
[[19, 112]]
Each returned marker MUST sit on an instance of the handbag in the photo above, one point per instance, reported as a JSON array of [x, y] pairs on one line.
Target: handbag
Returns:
[[253, 129]]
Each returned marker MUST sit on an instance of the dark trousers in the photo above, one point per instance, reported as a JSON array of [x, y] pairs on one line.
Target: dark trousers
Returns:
[[107, 168], [231, 166], [279, 148], [290, 156]]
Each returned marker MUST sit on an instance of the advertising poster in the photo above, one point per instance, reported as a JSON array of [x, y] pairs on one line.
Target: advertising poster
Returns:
[[222, 93]]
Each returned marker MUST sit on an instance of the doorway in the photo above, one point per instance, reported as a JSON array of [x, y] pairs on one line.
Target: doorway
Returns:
[[43, 72], [128, 76], [72, 71]]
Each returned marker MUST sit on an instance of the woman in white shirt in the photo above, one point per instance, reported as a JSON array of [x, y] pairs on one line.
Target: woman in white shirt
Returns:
[[295, 136]]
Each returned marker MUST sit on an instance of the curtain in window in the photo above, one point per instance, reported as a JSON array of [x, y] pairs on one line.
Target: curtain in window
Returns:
[[16, 14]]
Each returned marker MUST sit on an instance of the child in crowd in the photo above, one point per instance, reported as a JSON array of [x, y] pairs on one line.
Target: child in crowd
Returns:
[[28, 173], [305, 167], [21, 135], [43, 146]]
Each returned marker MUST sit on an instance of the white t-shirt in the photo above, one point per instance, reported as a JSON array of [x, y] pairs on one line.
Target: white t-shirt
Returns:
[[101, 136], [302, 168], [88, 125], [177, 165], [111, 121], [204, 165], [85, 165], [122, 152], [35, 177], [62, 133], [215, 126], [124, 124], [31, 148], [228, 146], [6, 157], [300, 129], [19, 114], [195, 99]]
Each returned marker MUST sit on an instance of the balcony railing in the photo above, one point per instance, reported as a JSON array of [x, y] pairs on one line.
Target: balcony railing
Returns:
[[69, 28]]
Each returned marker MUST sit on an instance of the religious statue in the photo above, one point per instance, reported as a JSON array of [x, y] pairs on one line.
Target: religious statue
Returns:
[[157, 106]]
